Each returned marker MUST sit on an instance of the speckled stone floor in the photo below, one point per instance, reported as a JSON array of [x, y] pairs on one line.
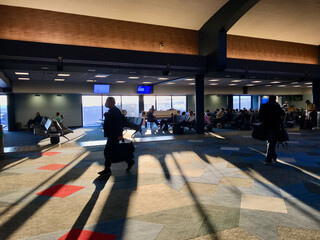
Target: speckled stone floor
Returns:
[[212, 186]]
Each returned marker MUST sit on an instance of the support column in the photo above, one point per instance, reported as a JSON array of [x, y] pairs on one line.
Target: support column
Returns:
[[141, 104], [11, 112], [199, 91], [316, 92]]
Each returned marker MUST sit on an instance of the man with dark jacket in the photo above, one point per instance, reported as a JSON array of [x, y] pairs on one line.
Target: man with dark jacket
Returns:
[[113, 128], [271, 115]]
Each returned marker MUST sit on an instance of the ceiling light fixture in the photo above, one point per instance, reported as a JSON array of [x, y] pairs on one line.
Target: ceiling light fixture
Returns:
[[282, 85], [63, 74], [91, 70], [133, 77], [232, 84], [90, 80], [101, 75], [250, 85], [309, 86], [256, 81], [59, 79], [191, 83], [24, 79], [21, 73], [189, 79], [213, 84], [236, 81], [163, 78], [294, 83], [214, 80], [297, 86], [268, 85], [308, 83], [275, 82], [120, 81], [170, 83], [44, 68], [146, 82]]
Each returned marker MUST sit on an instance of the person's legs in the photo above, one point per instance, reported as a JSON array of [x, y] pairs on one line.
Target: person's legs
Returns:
[[109, 154], [313, 116], [271, 146]]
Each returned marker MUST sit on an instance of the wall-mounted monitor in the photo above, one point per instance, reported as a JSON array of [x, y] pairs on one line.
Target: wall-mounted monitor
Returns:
[[264, 100], [101, 88], [297, 97], [144, 89]]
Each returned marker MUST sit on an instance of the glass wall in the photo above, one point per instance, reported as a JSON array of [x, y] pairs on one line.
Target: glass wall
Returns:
[[241, 102], [131, 105], [148, 101], [91, 110], [4, 111], [179, 103], [163, 103]]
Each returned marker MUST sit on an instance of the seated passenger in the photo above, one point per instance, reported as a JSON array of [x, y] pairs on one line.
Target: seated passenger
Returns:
[[165, 122], [37, 120], [152, 118], [189, 122], [220, 118], [58, 117]]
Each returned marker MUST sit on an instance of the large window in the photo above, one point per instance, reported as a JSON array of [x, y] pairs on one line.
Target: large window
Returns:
[[4, 111], [241, 102], [131, 105], [179, 103], [91, 110], [148, 101], [118, 103], [163, 103]]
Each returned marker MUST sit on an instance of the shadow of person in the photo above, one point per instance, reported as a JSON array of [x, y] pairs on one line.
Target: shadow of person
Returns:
[[81, 221]]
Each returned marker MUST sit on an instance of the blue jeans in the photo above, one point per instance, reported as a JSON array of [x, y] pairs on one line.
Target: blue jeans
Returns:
[[272, 135]]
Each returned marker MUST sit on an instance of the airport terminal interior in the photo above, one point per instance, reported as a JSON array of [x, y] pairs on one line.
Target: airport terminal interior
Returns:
[[206, 67]]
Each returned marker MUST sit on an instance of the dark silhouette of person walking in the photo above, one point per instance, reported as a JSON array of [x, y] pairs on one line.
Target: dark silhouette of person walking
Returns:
[[113, 127], [271, 115]]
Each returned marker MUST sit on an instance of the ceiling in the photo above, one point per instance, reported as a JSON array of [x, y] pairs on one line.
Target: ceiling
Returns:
[[285, 20], [83, 77]]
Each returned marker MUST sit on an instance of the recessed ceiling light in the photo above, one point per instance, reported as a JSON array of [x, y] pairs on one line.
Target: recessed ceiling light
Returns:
[[282, 85], [214, 80], [170, 83], [191, 83], [163, 78], [294, 83], [59, 79], [309, 86], [64, 74], [21, 73], [146, 82], [44, 68], [236, 81], [25, 79], [91, 70], [297, 86], [133, 77], [213, 84], [101, 75], [268, 85], [275, 82], [308, 83], [90, 80], [120, 81], [189, 79], [232, 84], [250, 85], [256, 81]]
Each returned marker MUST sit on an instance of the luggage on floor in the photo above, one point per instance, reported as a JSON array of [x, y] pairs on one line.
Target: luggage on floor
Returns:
[[124, 152], [54, 138]]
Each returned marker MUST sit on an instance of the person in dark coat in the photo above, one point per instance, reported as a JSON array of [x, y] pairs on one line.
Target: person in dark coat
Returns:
[[271, 115], [113, 128], [37, 120]]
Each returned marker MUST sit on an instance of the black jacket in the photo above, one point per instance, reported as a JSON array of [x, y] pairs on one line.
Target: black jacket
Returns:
[[113, 125], [271, 115]]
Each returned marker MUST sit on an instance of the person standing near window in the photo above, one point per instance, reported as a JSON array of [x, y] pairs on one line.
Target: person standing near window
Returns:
[[271, 115]]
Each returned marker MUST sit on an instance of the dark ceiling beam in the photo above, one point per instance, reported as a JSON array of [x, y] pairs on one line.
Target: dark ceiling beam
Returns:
[[213, 34], [32, 52]]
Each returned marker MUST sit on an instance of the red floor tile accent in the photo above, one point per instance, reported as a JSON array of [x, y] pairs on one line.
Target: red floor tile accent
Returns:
[[60, 190], [53, 167], [48, 153], [79, 234]]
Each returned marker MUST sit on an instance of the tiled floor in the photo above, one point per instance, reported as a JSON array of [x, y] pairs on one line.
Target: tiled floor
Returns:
[[202, 187]]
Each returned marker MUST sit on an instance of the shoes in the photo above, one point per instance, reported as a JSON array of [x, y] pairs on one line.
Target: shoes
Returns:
[[105, 172], [130, 164], [268, 163]]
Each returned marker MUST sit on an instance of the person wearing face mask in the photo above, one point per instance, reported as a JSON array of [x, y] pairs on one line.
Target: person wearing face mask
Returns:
[[113, 128]]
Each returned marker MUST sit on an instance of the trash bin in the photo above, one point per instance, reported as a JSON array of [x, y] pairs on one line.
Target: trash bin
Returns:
[[1, 141]]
